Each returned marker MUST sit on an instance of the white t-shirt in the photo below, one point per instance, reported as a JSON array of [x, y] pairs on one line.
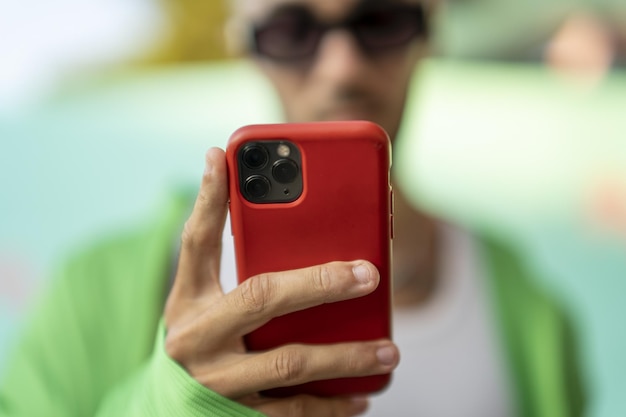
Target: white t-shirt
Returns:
[[451, 364]]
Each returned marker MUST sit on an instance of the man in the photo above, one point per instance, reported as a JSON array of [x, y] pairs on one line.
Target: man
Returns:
[[98, 347]]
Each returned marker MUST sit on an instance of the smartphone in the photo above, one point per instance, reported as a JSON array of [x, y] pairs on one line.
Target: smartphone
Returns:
[[308, 194]]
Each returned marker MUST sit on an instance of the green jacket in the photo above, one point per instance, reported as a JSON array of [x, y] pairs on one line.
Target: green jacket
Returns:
[[94, 346]]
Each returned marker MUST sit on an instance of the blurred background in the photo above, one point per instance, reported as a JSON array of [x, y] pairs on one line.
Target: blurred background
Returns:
[[105, 108], [514, 127]]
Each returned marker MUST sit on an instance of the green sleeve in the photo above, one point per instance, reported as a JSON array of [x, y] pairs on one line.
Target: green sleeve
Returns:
[[163, 388], [94, 344], [58, 372]]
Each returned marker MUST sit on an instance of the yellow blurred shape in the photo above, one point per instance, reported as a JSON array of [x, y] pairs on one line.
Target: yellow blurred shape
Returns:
[[195, 32]]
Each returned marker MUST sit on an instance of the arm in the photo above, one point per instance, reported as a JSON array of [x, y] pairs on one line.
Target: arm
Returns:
[[79, 359]]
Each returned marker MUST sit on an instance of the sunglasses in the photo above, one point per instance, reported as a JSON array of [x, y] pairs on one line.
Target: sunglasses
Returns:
[[292, 33]]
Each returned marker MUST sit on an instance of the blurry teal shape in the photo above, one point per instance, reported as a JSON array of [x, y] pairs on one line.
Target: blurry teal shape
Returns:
[[506, 28], [106, 151], [590, 272], [516, 151], [493, 28]]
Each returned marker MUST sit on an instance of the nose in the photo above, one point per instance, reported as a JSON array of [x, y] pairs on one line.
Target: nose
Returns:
[[340, 60]]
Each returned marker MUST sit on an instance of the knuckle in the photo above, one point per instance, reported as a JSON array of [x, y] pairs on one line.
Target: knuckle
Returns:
[[255, 293], [187, 237], [322, 279], [203, 198], [217, 381], [353, 362], [194, 231], [174, 347], [297, 406], [195, 235], [289, 366]]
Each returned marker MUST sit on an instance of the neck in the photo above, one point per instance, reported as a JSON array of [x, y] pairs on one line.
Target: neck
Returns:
[[414, 253]]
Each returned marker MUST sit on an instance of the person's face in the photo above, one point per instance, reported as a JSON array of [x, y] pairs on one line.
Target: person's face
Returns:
[[325, 70]]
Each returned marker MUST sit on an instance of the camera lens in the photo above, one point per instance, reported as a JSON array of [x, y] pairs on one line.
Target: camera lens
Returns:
[[255, 157], [257, 187], [285, 171]]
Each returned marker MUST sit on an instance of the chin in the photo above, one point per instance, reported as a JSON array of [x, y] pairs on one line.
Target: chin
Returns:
[[348, 116]]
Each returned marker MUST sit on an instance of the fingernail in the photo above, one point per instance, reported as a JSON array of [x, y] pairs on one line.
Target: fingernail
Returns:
[[386, 356], [363, 274], [359, 404]]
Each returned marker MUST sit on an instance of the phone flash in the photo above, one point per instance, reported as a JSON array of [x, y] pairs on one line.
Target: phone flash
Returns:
[[283, 151]]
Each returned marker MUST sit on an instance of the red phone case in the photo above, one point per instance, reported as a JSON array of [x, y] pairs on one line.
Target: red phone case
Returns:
[[344, 213]]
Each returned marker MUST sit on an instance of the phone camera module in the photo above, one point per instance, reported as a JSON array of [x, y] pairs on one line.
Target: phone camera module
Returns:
[[285, 171], [270, 171], [255, 157], [257, 187]]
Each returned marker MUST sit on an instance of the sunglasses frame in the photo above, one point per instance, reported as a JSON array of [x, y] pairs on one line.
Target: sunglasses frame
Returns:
[[349, 23]]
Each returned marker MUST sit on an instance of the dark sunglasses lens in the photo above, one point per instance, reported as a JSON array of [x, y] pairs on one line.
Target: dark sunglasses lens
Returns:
[[287, 35], [379, 29]]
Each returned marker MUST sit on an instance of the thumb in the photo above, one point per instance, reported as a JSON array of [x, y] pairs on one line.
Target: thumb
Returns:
[[201, 242]]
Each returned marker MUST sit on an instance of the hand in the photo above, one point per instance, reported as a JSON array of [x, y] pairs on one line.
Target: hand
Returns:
[[205, 326]]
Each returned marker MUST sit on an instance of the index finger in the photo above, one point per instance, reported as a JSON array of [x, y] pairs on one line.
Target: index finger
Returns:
[[263, 297]]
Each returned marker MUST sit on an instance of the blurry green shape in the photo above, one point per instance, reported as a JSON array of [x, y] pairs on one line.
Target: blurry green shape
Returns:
[[516, 151], [514, 142]]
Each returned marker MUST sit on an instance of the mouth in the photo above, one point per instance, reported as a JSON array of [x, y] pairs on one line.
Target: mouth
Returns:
[[352, 111]]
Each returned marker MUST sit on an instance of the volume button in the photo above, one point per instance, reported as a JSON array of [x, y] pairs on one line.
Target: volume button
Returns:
[[391, 208]]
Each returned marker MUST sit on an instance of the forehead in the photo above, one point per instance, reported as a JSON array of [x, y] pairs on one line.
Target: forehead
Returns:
[[254, 9]]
